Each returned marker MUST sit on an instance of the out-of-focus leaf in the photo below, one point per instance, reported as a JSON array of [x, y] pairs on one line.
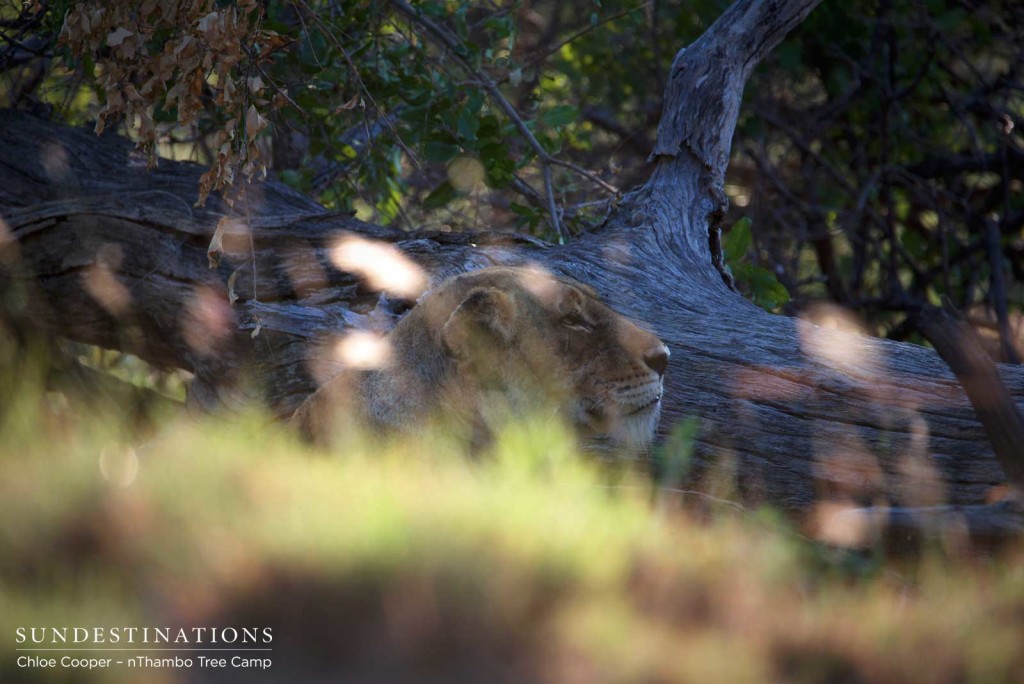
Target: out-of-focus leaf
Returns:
[[737, 240], [560, 115], [439, 152], [764, 288], [440, 196], [467, 124]]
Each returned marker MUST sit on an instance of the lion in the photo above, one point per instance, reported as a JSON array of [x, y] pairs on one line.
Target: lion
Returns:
[[503, 342]]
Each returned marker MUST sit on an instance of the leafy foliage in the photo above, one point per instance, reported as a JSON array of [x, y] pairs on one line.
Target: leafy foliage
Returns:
[[760, 284], [170, 61], [879, 156], [880, 160]]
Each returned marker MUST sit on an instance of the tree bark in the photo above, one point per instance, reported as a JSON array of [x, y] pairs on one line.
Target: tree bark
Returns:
[[119, 257]]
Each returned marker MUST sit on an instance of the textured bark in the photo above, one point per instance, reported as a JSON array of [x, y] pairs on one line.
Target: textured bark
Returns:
[[801, 412]]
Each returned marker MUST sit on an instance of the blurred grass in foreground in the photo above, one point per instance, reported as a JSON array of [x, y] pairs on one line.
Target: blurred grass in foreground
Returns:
[[413, 562]]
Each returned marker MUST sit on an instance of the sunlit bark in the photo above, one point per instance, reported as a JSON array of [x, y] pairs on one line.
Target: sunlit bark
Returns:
[[803, 413]]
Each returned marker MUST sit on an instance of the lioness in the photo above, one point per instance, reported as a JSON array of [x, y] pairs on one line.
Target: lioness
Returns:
[[504, 340]]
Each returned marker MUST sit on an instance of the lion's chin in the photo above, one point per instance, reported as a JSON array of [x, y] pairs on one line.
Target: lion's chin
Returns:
[[637, 430], [619, 436]]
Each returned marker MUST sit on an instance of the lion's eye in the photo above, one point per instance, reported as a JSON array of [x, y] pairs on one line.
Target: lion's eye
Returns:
[[577, 322]]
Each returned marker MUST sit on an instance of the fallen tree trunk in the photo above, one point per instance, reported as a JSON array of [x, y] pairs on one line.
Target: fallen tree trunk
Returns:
[[119, 256]]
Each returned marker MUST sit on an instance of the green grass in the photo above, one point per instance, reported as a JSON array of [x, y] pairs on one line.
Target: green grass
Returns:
[[415, 562]]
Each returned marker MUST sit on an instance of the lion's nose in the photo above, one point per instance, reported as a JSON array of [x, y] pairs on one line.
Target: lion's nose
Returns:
[[657, 359]]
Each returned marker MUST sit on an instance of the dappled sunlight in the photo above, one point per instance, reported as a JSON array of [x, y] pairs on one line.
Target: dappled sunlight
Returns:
[[54, 159], [618, 251], [100, 281], [351, 349], [465, 174], [846, 525], [764, 384], [411, 467], [323, 361], [207, 322], [363, 350], [305, 274], [847, 468], [8, 244], [119, 465], [384, 267], [102, 285], [538, 281], [848, 349], [847, 465], [920, 483], [985, 322], [529, 550]]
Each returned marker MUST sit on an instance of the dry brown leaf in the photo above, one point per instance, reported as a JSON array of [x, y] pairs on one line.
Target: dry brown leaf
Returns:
[[232, 297], [254, 122], [117, 36], [205, 43], [206, 24], [182, 44], [280, 99], [216, 248], [272, 42], [351, 104]]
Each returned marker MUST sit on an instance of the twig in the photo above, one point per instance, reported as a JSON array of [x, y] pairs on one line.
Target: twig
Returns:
[[491, 87], [611, 189], [997, 289], [546, 160], [358, 79], [579, 34], [527, 191], [960, 347]]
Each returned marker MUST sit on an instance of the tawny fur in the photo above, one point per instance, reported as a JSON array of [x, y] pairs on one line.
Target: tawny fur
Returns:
[[508, 341]]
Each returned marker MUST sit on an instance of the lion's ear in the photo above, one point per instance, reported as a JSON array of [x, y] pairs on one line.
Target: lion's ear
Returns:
[[572, 301], [485, 315]]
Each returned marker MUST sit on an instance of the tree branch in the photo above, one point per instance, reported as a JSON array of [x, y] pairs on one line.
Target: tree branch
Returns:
[[959, 346], [702, 99], [795, 409], [546, 160]]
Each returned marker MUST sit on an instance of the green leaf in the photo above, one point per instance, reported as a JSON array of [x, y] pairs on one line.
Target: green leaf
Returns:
[[468, 123], [762, 286], [675, 455], [291, 178], [528, 216], [474, 102], [738, 240], [440, 196], [789, 55], [435, 151], [498, 164], [561, 115]]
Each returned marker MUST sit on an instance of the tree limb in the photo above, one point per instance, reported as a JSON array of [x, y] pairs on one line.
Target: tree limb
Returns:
[[795, 412]]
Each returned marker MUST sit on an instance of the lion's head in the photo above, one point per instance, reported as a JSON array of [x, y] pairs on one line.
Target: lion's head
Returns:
[[518, 339], [531, 336]]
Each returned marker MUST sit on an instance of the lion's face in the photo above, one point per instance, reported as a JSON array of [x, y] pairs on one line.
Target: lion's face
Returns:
[[527, 333]]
